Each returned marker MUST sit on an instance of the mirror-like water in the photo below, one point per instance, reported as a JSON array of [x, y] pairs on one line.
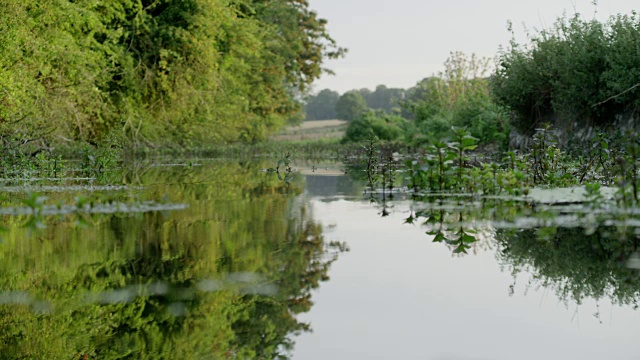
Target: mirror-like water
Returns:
[[225, 260]]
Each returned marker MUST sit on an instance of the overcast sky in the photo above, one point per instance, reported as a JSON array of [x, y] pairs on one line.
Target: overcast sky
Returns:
[[399, 42]]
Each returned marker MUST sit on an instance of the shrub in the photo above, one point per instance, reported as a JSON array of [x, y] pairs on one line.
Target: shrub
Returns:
[[459, 96], [350, 105], [578, 72], [378, 123]]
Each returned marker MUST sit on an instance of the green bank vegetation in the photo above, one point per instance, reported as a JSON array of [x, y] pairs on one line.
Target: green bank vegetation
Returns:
[[571, 94], [581, 76], [459, 96], [578, 73], [154, 73]]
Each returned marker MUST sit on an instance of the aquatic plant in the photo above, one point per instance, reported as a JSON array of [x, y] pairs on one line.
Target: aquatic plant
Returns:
[[462, 143], [442, 159], [388, 173], [415, 174], [371, 153], [286, 172]]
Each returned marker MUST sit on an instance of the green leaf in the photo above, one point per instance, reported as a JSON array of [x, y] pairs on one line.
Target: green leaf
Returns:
[[467, 239], [468, 142], [462, 249], [439, 237], [431, 220]]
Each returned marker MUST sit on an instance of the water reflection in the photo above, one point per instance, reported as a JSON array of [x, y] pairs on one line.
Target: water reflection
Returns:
[[575, 250], [575, 265], [221, 260], [222, 276]]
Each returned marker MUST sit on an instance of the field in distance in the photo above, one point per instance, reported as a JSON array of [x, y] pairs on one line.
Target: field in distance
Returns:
[[312, 130]]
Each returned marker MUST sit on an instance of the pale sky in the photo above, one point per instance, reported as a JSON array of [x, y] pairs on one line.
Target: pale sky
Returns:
[[399, 42]]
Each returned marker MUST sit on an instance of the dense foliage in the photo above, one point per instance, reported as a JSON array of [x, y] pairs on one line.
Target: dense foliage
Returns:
[[577, 73], [376, 123], [154, 72], [457, 97]]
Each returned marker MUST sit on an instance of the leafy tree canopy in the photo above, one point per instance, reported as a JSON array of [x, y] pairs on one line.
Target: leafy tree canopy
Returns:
[[322, 106], [350, 105], [155, 72]]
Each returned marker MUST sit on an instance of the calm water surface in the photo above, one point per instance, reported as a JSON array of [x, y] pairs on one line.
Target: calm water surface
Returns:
[[224, 261]]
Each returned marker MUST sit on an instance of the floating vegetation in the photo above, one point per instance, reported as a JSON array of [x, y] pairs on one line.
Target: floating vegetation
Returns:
[[283, 169], [66, 188], [457, 192], [46, 179], [108, 208], [243, 283]]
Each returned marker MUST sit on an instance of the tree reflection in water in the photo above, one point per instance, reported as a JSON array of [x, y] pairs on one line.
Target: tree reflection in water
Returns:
[[593, 260], [224, 278], [576, 265]]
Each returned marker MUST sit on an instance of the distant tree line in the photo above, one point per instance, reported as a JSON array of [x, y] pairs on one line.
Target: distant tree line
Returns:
[[329, 104], [155, 72]]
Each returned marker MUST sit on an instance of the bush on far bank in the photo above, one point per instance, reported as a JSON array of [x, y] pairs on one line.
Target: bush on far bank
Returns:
[[378, 123]]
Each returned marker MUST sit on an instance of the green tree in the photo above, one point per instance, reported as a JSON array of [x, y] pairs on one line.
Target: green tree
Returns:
[[459, 96], [302, 38], [384, 98], [350, 105], [366, 94], [414, 97], [155, 72], [322, 106]]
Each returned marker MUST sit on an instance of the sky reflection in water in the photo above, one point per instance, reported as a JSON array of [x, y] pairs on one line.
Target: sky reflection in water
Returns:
[[398, 295]]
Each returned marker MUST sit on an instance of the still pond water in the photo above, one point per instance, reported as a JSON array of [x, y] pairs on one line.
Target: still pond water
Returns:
[[212, 259]]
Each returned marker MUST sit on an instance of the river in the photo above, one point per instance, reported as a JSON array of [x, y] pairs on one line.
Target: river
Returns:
[[214, 259]]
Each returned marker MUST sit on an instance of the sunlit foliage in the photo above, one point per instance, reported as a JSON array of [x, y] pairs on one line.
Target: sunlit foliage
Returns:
[[155, 72], [458, 96]]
